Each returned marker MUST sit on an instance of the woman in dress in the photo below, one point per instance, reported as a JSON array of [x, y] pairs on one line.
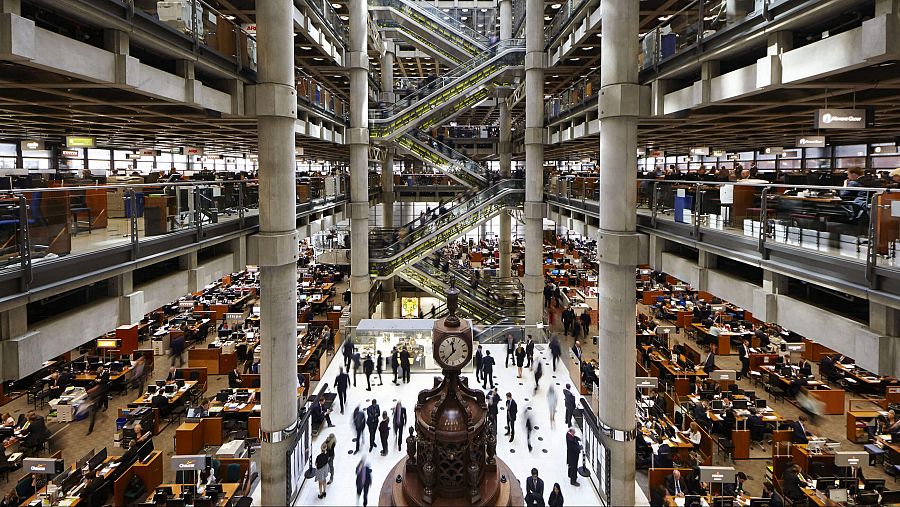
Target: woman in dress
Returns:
[[322, 469]]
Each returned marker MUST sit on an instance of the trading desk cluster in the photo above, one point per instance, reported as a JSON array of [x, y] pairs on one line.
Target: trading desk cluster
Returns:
[[691, 409]]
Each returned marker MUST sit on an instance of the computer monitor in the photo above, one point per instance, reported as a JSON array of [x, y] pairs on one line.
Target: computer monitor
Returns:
[[164, 490], [151, 389], [179, 383], [160, 383], [707, 395], [222, 397], [838, 495], [97, 459], [214, 488], [723, 501], [188, 489], [170, 388], [175, 502], [717, 405], [826, 483], [740, 404], [692, 501], [760, 502], [874, 485], [6, 432], [759, 403], [144, 451]]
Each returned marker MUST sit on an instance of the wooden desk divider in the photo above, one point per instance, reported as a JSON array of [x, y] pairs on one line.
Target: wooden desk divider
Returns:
[[191, 437], [202, 375], [150, 473], [223, 466], [253, 426]]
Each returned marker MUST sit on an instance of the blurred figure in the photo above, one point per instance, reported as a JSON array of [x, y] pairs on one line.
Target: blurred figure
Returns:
[[551, 403]]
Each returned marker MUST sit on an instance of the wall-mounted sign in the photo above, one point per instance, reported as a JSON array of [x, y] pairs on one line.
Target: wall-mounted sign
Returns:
[[704, 150], [791, 154], [80, 142], [186, 462], [409, 308], [810, 142], [841, 119], [191, 150], [884, 149], [656, 153], [134, 156], [70, 153], [734, 156], [32, 145], [773, 150], [718, 153], [148, 152], [45, 466], [641, 152], [647, 382], [250, 28]]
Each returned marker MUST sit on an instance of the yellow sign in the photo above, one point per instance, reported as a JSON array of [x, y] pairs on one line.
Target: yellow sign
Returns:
[[80, 142], [409, 308]]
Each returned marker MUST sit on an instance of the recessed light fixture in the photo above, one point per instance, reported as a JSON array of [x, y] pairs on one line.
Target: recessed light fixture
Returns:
[[345, 18], [547, 18], [306, 48], [574, 59], [464, 18], [316, 58], [588, 48], [465, 10], [336, 5], [483, 10]]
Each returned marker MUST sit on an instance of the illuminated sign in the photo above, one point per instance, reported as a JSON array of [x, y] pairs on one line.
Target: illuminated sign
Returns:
[[773, 150], [810, 142], [146, 152], [700, 151], [70, 153], [80, 142], [841, 119], [108, 343], [32, 145], [189, 462], [190, 150]]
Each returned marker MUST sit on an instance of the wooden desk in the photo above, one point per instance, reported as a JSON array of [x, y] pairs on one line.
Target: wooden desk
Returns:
[[229, 490], [803, 457], [757, 361], [856, 434], [832, 399], [144, 399], [150, 473], [215, 362], [192, 437], [863, 381]]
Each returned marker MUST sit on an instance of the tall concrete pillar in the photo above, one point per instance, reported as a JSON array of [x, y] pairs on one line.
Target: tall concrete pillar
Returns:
[[11, 7], [505, 13], [358, 141], [387, 73], [618, 244], [279, 249], [388, 294], [535, 62], [505, 151], [775, 283]]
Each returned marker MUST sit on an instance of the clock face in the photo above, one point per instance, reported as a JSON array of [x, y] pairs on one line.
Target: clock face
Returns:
[[453, 351]]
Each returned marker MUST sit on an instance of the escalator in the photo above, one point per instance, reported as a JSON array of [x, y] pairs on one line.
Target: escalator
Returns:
[[392, 29], [458, 166], [487, 303], [431, 23], [452, 93], [390, 253]]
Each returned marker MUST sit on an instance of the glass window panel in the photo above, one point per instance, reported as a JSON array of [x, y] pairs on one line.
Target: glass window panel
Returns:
[[7, 150], [95, 154]]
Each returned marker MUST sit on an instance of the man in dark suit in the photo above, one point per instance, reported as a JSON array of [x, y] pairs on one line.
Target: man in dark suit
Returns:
[[805, 368], [709, 365], [675, 484], [792, 484], [769, 492], [320, 414], [534, 490], [576, 351], [342, 383], [529, 351], [573, 451], [487, 370], [478, 356], [745, 357], [405, 364], [799, 435], [347, 350], [826, 367], [510, 349], [511, 413], [555, 351], [569, 400], [103, 381], [399, 419], [234, 378]]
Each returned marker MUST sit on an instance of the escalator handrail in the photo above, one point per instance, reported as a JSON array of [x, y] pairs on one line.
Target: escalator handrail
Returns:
[[454, 77], [483, 291]]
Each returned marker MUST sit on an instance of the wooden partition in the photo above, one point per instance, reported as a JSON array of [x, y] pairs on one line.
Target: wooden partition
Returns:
[[251, 380], [191, 437], [151, 473], [215, 362], [253, 426], [223, 465], [201, 380]]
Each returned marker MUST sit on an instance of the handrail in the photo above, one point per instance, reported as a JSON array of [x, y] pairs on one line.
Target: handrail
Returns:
[[441, 17], [771, 185]]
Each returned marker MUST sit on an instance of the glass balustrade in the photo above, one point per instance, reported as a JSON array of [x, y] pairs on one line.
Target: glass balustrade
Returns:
[[40, 225]]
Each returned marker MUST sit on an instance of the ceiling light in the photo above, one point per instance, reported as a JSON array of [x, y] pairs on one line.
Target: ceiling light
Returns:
[[588, 48], [446, 10], [556, 6], [483, 10], [574, 59], [316, 58], [306, 48], [465, 10], [547, 18], [336, 5], [345, 18], [464, 18]]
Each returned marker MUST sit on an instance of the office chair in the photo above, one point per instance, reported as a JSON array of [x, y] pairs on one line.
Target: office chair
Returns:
[[232, 473]]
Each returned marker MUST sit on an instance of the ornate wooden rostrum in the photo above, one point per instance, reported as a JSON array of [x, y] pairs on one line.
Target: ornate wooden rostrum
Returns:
[[451, 458]]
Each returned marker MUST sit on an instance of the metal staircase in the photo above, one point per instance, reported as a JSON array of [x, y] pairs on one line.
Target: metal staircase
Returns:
[[430, 23], [393, 250], [458, 166]]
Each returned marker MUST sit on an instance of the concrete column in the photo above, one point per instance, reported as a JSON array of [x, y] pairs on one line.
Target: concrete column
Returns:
[[505, 150], [658, 90], [505, 13], [883, 319], [238, 247], [116, 41], [656, 248], [775, 283], [535, 62], [768, 68], [708, 70], [11, 7], [279, 249], [13, 323], [618, 243], [705, 262], [120, 285], [131, 308], [387, 74], [887, 7], [388, 298], [358, 141]]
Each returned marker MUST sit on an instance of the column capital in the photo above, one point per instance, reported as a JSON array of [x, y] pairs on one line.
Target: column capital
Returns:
[[358, 136], [277, 248], [620, 99], [535, 60], [274, 99], [358, 60], [619, 248]]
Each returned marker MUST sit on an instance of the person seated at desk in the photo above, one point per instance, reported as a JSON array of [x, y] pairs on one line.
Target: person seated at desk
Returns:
[[693, 434], [224, 330], [7, 420], [206, 477], [588, 373], [200, 411], [234, 378], [797, 384], [659, 497], [727, 423], [89, 488], [675, 484], [709, 364], [678, 349], [659, 403], [762, 336], [800, 435], [34, 433], [805, 368], [172, 375], [737, 488], [792, 484], [700, 415], [643, 452], [141, 436], [769, 492]]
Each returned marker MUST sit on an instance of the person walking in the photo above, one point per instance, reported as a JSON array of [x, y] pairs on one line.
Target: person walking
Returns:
[[478, 356], [556, 496], [363, 481], [395, 363], [534, 490], [487, 370], [405, 364], [511, 414], [510, 348], [359, 424], [102, 380], [379, 367], [573, 451], [176, 349], [520, 359], [529, 351], [322, 469], [368, 368], [586, 323], [342, 383], [384, 430], [568, 318], [348, 350], [745, 358], [538, 373], [569, 400], [399, 419], [330, 444], [551, 404], [555, 351], [372, 413], [529, 425], [356, 365]]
